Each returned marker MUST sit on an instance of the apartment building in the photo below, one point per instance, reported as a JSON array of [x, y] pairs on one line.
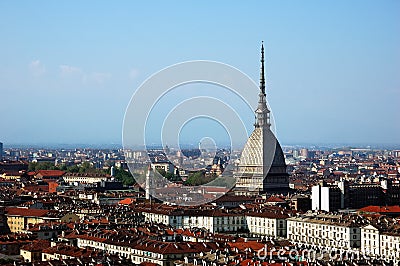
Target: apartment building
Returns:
[[326, 230], [86, 178], [19, 218], [390, 244], [267, 223], [213, 220], [381, 239], [140, 250]]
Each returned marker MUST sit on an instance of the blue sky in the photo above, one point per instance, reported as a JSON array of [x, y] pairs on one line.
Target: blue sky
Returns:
[[69, 68]]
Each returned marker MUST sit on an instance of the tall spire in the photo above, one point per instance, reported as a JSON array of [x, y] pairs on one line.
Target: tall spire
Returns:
[[262, 75], [262, 112]]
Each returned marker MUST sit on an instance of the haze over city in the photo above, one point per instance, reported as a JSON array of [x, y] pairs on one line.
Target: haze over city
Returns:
[[68, 70], [186, 133]]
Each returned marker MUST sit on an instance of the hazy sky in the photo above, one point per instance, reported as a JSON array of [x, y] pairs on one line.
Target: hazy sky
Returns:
[[68, 68]]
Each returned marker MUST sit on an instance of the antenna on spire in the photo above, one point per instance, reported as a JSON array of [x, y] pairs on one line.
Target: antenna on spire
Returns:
[[262, 76]]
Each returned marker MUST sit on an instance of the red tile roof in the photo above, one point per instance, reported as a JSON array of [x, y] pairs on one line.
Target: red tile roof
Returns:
[[70, 251], [126, 201], [231, 198], [50, 173], [381, 209], [275, 199], [26, 212], [37, 245], [242, 246], [15, 238]]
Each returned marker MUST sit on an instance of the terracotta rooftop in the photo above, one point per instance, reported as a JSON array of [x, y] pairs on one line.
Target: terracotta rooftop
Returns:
[[26, 212], [70, 251], [50, 173], [37, 245], [15, 238], [275, 199], [381, 209], [126, 201], [231, 198]]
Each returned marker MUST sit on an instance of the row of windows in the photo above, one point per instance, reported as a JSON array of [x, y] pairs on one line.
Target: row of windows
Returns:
[[312, 240], [263, 223], [95, 244], [19, 223]]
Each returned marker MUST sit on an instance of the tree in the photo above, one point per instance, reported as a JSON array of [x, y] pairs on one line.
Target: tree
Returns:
[[36, 166], [124, 176], [73, 169], [198, 178], [168, 175], [86, 167], [63, 167], [32, 166]]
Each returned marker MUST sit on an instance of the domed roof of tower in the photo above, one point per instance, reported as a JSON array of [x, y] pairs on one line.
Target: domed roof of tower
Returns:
[[262, 148]]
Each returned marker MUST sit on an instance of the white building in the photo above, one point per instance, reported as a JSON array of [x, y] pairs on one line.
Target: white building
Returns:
[[267, 224], [390, 245], [333, 231], [370, 243], [381, 241], [326, 198], [86, 178], [213, 220], [167, 166], [144, 250]]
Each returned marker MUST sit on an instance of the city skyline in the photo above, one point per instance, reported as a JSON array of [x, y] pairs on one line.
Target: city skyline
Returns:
[[68, 71], [209, 133]]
